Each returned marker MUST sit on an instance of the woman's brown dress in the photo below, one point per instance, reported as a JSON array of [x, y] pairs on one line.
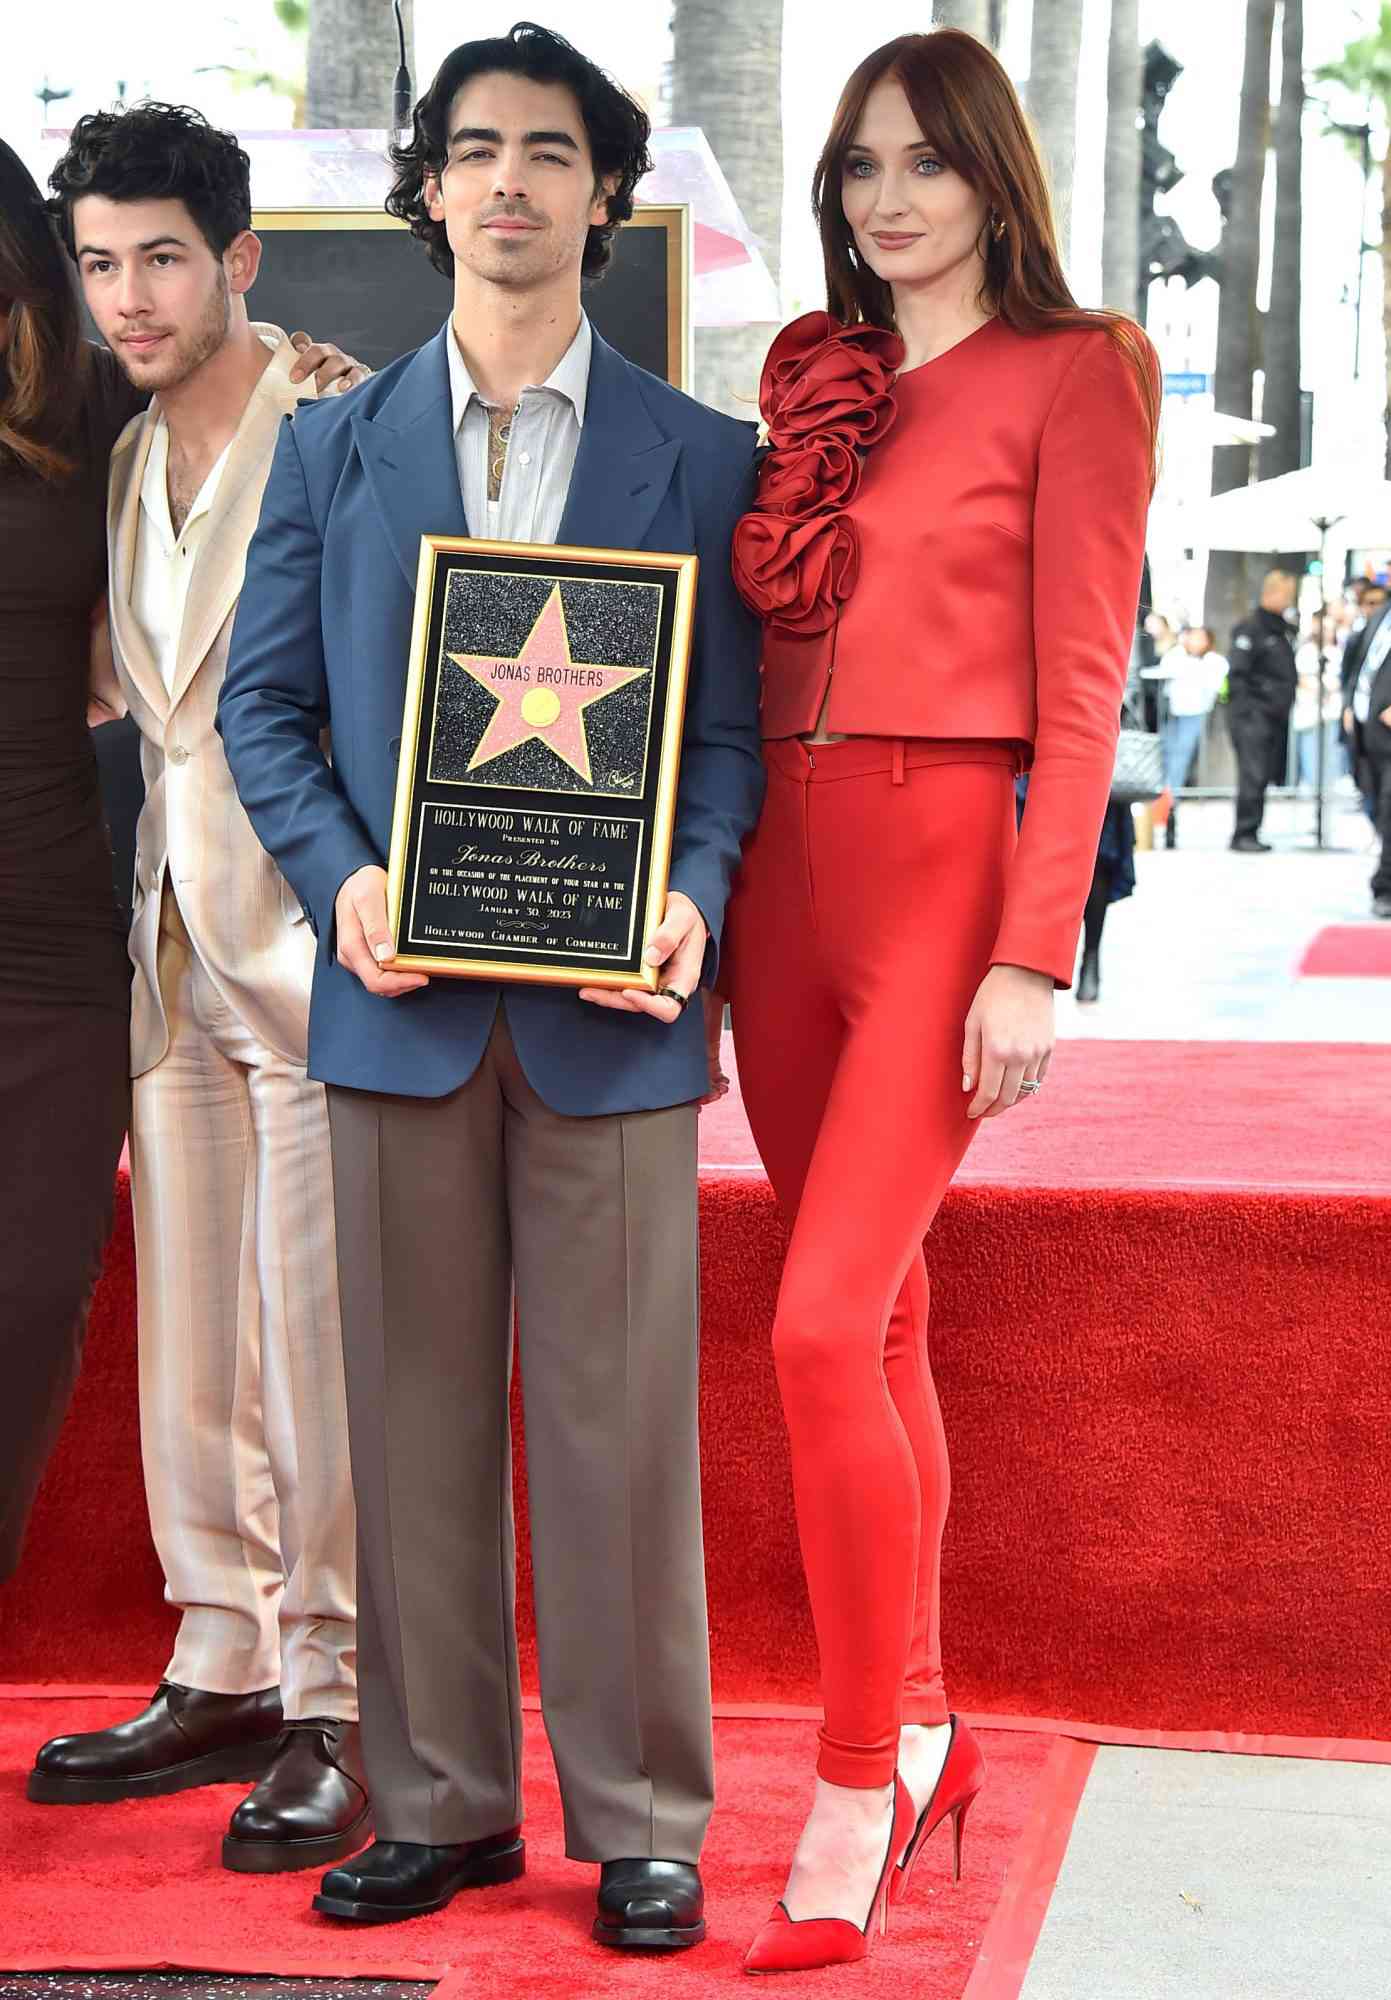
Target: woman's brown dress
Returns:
[[64, 973]]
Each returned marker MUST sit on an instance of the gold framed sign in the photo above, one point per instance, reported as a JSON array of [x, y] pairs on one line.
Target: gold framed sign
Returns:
[[540, 750], [358, 276]]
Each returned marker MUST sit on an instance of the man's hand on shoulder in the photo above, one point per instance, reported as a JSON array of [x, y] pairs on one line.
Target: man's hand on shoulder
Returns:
[[332, 369], [677, 949], [364, 935]]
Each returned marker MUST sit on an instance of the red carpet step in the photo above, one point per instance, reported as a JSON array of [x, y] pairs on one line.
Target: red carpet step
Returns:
[[1349, 951], [138, 1884], [1168, 1403], [1254, 1115]]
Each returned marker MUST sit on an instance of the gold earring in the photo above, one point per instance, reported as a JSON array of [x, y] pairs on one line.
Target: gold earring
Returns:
[[997, 225]]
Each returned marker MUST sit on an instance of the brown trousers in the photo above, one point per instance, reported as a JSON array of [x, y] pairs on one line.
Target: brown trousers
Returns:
[[442, 1205]]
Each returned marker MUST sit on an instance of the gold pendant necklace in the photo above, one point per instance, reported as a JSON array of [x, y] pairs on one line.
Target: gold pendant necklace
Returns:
[[499, 434]]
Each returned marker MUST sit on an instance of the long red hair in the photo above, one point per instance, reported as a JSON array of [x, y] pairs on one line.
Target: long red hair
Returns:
[[969, 111]]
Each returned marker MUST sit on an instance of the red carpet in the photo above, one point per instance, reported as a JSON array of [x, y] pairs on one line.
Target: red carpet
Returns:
[[1349, 951], [138, 1885], [1168, 1115], [1160, 1335]]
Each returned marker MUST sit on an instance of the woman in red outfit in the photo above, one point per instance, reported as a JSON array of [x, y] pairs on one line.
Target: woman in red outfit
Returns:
[[946, 553]]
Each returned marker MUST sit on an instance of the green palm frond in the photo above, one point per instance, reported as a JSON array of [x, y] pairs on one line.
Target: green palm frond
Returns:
[[1365, 64], [250, 70]]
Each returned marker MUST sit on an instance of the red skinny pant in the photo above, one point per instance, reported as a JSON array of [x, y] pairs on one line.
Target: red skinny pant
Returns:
[[862, 924]]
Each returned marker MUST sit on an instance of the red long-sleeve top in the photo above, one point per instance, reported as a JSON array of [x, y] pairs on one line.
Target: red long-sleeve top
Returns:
[[1000, 525]]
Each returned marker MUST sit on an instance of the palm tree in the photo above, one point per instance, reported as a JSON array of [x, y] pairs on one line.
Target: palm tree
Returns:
[[1280, 344], [1055, 49], [982, 18], [726, 77], [1120, 244], [1365, 67], [352, 62], [250, 72], [1227, 595]]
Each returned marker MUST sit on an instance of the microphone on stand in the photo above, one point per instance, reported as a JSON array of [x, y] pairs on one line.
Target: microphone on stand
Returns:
[[401, 89]]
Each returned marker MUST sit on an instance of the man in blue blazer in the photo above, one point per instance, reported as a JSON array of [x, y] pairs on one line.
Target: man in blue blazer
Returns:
[[542, 1138]]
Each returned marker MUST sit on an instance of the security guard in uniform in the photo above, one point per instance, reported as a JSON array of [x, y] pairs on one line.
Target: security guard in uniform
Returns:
[[1261, 681]]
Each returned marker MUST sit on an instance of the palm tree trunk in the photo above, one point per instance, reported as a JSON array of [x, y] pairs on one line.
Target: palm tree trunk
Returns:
[[983, 18], [1120, 244], [1281, 333], [727, 78], [1228, 596], [353, 54], [973, 15], [1055, 49]]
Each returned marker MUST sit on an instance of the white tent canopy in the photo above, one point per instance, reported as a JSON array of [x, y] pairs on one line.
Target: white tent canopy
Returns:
[[1235, 430], [1298, 510]]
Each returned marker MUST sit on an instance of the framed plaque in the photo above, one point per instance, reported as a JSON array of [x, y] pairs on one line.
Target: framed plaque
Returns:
[[358, 277], [540, 750]]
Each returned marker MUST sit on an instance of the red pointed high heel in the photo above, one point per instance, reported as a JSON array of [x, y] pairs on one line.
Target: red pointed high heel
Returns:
[[803, 1944], [954, 1794]]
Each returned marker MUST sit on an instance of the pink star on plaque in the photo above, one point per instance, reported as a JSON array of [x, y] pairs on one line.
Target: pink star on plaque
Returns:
[[542, 692]]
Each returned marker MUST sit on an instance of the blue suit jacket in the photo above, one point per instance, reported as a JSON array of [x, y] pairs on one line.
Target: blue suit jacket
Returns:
[[322, 638]]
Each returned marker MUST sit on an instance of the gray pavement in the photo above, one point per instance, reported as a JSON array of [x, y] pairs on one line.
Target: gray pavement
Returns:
[[1206, 948], [1204, 1877]]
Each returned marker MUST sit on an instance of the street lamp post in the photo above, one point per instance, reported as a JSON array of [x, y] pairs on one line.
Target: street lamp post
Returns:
[[1363, 135], [1324, 526]]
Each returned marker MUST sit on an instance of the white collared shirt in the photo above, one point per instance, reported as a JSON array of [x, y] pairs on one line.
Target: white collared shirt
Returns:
[[541, 451], [163, 560]]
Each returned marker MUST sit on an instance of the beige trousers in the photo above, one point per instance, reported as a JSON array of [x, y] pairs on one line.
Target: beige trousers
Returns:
[[242, 1410], [442, 1203]]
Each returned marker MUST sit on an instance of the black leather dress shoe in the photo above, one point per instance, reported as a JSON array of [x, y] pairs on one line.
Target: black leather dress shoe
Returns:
[[395, 1879], [1247, 843], [183, 1739], [650, 1905], [309, 1809]]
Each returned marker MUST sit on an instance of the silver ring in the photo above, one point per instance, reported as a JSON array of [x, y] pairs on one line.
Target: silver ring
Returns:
[[1030, 1087]]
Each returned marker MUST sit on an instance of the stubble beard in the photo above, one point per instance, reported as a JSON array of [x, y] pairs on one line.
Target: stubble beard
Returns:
[[527, 264], [190, 350]]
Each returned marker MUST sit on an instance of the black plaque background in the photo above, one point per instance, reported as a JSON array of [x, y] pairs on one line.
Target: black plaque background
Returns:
[[375, 293], [494, 798]]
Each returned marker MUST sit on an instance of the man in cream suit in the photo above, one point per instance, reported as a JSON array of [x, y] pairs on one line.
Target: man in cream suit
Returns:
[[242, 1404]]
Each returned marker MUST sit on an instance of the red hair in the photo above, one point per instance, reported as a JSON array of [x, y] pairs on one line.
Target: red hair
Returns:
[[969, 112]]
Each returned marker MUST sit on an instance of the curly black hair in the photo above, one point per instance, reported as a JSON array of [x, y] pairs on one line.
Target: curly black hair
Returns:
[[616, 126], [156, 152]]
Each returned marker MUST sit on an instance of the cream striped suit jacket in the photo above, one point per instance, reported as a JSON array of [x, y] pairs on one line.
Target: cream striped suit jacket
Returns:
[[242, 917]]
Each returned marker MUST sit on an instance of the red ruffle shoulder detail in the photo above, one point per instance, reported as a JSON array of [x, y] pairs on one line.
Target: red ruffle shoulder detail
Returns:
[[827, 395]]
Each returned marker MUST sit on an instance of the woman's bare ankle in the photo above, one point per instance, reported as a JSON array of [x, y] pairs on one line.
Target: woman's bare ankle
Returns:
[[840, 1853], [922, 1754]]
